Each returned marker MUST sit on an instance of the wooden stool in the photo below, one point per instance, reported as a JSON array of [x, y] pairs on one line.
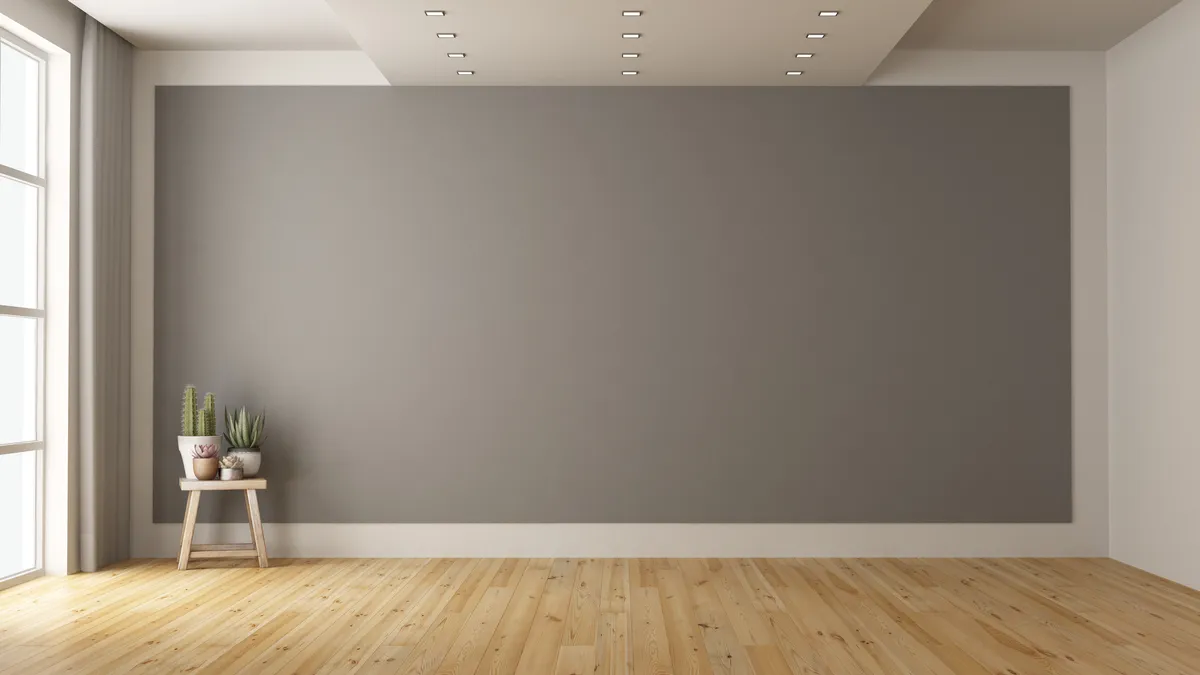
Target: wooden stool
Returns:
[[189, 551]]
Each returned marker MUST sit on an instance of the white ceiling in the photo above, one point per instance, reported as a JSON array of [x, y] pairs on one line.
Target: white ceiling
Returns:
[[223, 24], [698, 42], [684, 42], [1087, 25]]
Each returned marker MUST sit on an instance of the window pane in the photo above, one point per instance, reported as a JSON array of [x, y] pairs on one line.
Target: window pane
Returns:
[[18, 243], [19, 119], [18, 512], [18, 379]]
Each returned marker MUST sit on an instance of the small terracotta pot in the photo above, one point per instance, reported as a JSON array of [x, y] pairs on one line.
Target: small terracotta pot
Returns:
[[205, 468], [187, 444], [231, 474]]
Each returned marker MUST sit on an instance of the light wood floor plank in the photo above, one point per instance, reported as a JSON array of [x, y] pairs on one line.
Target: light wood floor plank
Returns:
[[427, 655], [651, 648], [584, 609], [612, 645], [821, 625], [747, 619], [767, 660], [610, 617], [545, 635], [726, 656], [689, 656], [263, 637], [380, 587], [615, 598], [203, 639], [575, 660], [425, 615], [321, 606], [467, 652], [507, 644]]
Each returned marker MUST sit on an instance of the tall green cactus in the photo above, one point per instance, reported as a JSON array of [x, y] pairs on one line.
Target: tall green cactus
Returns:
[[190, 417], [208, 417], [198, 421]]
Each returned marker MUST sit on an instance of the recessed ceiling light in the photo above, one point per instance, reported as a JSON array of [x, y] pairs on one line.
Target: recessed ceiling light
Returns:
[[631, 36], [632, 12], [457, 55], [435, 12], [447, 35], [795, 72], [629, 72], [466, 72], [828, 12], [630, 55], [804, 55], [815, 36]]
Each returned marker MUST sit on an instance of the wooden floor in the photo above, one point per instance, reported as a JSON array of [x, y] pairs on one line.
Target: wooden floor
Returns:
[[558, 617]]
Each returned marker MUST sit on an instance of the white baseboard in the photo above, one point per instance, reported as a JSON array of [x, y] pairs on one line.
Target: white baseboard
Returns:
[[387, 540]]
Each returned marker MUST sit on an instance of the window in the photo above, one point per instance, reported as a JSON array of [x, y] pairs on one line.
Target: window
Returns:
[[22, 304]]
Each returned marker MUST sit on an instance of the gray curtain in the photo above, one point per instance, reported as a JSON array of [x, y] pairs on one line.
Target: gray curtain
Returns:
[[104, 258]]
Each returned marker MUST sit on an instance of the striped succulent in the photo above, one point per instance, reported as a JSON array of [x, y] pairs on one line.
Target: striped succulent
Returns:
[[244, 432]]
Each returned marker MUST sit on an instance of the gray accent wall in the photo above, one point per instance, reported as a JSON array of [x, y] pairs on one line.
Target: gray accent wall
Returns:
[[687, 305]]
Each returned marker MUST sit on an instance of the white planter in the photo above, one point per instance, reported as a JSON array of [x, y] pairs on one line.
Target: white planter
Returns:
[[189, 443], [251, 460]]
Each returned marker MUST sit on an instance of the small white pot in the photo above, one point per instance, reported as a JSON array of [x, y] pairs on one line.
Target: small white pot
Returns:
[[189, 443], [251, 460], [231, 474]]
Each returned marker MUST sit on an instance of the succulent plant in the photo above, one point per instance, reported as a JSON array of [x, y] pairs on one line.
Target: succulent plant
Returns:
[[206, 450], [243, 432], [198, 421], [231, 462]]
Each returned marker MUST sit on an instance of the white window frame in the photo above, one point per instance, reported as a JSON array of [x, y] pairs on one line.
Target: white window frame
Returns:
[[38, 446]]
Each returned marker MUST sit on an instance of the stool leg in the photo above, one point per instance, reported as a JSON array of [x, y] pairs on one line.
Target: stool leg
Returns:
[[189, 528], [256, 531]]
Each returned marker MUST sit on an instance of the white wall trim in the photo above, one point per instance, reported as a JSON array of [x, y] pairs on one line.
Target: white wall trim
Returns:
[[63, 27], [1086, 536], [388, 540]]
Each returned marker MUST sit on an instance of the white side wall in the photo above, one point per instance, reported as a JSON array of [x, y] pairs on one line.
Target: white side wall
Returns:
[[1086, 536], [1154, 230]]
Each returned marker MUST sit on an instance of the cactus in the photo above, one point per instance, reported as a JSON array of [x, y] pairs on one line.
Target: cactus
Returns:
[[198, 421], [190, 418], [207, 425]]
